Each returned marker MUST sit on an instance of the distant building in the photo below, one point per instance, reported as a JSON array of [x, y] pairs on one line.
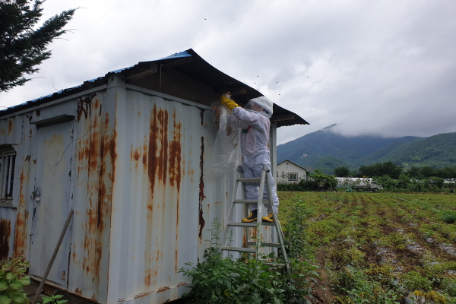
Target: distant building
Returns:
[[290, 173]]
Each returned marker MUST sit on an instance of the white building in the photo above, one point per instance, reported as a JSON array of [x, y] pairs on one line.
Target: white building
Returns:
[[290, 173]]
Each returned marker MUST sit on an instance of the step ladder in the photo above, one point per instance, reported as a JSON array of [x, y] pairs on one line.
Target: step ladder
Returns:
[[254, 246]]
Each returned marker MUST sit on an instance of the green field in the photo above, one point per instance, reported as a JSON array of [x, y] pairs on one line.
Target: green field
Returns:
[[378, 247]]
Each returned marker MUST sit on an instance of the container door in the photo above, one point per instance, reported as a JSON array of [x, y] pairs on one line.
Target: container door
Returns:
[[52, 157]]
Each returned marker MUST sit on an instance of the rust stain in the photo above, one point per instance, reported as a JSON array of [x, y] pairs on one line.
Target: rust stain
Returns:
[[2, 131], [202, 115], [157, 160], [176, 255], [163, 289], [175, 156], [147, 278], [83, 107], [201, 184], [97, 155], [38, 113], [63, 275], [10, 126], [144, 156], [5, 233], [78, 291], [201, 191], [136, 155], [201, 221], [20, 236], [27, 158]]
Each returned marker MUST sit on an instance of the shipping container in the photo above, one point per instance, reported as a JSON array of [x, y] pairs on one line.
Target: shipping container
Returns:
[[130, 153]]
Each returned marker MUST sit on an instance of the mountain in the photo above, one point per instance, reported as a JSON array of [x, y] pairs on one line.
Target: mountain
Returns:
[[327, 150]]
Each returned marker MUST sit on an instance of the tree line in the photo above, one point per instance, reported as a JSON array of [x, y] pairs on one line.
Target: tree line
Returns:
[[395, 171], [392, 178]]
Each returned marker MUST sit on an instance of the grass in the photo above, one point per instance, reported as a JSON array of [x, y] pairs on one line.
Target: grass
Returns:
[[379, 247]]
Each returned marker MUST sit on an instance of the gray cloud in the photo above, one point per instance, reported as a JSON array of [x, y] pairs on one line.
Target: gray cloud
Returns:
[[382, 67]]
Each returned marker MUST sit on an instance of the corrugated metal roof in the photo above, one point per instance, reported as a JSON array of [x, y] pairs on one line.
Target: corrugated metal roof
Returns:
[[187, 62]]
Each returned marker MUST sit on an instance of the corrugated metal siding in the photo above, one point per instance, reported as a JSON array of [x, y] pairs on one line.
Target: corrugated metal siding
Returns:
[[92, 196], [14, 236], [164, 196], [141, 188]]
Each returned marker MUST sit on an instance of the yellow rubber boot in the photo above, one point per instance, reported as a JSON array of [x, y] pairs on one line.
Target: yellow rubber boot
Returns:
[[251, 218], [268, 218]]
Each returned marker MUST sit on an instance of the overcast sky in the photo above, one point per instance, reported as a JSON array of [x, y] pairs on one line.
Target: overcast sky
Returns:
[[375, 67]]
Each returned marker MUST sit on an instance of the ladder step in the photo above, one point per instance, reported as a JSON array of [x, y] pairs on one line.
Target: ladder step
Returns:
[[265, 244], [252, 224], [240, 249], [242, 201], [274, 264], [249, 179]]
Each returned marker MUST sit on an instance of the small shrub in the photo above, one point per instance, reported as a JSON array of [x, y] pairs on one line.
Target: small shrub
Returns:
[[54, 299], [223, 280], [354, 286], [12, 280], [449, 217], [449, 286], [414, 281], [249, 280]]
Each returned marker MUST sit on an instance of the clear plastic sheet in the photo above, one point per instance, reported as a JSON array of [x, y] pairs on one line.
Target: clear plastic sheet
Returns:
[[226, 153]]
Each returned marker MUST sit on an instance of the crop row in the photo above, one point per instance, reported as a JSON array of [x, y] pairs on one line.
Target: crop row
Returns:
[[388, 247]]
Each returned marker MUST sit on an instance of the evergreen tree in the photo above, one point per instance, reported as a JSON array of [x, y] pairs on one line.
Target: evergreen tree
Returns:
[[22, 43]]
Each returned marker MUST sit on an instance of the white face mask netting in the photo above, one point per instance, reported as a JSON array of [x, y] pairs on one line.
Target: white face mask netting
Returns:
[[261, 105]]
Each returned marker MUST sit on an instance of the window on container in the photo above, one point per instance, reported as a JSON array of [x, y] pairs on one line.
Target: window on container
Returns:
[[7, 161], [293, 176]]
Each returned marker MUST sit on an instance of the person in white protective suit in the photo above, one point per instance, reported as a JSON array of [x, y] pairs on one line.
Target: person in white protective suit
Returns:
[[255, 124]]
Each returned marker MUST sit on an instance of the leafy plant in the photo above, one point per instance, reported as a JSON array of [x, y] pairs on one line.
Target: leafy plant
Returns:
[[249, 279], [354, 286], [223, 280], [449, 217], [414, 281], [12, 280], [55, 299]]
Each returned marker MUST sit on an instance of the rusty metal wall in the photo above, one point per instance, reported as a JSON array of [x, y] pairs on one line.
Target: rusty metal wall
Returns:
[[165, 196], [14, 213], [141, 188]]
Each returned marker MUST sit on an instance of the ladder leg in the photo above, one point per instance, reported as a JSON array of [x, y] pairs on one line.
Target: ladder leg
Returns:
[[277, 225], [230, 213]]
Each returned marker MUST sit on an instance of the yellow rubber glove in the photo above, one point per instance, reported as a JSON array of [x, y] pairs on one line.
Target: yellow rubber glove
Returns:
[[230, 104]]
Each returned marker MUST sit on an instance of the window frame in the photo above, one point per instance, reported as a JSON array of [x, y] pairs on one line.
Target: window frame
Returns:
[[7, 171], [290, 174]]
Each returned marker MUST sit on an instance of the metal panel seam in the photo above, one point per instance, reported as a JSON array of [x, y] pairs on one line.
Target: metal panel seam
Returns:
[[51, 103], [166, 96]]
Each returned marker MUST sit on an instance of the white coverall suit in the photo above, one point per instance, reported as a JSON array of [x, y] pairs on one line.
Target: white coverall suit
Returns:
[[255, 153]]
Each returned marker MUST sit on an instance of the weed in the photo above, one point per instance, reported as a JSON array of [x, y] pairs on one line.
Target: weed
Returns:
[[54, 299], [248, 279], [449, 217], [428, 297], [12, 280], [414, 281], [354, 286], [223, 280]]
